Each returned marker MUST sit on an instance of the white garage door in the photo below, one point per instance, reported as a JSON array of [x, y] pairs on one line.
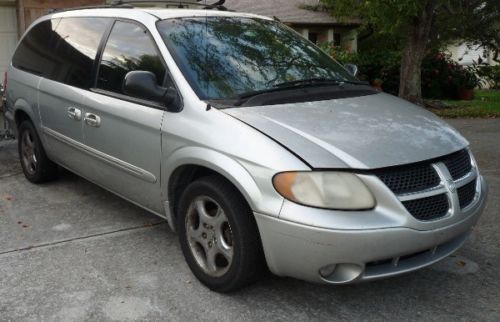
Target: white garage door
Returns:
[[8, 36]]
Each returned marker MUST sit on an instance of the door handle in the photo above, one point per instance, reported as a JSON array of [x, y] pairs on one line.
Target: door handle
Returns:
[[92, 120], [74, 113]]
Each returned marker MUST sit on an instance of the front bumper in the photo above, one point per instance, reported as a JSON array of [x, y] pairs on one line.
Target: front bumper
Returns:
[[352, 255]]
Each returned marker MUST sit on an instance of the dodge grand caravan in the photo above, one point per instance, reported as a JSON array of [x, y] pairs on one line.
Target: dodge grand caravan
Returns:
[[254, 145]]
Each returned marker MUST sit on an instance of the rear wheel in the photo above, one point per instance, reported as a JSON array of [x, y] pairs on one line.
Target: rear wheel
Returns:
[[218, 235], [36, 165]]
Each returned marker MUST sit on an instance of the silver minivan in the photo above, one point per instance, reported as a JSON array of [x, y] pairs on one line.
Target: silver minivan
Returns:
[[257, 148]]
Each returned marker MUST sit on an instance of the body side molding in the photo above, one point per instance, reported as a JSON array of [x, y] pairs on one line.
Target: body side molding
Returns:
[[120, 164]]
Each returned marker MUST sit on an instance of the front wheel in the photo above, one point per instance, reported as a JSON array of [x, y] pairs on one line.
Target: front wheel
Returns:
[[218, 235]]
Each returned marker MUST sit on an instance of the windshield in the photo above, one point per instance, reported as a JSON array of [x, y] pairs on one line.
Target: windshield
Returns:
[[225, 57]]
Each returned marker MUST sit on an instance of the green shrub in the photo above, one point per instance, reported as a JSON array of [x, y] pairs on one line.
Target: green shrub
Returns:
[[440, 76]]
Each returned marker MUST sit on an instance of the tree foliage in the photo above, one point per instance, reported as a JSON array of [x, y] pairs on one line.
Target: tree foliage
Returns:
[[473, 21], [416, 26]]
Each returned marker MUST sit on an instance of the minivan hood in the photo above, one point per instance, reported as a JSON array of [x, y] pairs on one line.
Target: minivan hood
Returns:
[[365, 132]]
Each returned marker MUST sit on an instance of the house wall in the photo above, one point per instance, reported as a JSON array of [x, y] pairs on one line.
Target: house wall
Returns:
[[467, 56], [341, 36], [8, 34]]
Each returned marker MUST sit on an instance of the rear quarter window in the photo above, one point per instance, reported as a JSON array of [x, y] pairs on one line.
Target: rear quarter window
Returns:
[[35, 52], [62, 50]]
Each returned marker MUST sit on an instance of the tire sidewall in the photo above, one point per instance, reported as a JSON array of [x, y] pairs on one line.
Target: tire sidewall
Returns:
[[39, 153], [203, 189]]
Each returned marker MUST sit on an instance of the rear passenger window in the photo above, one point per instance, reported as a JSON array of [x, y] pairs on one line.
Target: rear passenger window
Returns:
[[35, 52], [129, 48], [63, 50], [76, 48]]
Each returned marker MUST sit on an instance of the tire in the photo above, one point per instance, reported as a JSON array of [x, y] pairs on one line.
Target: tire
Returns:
[[36, 165], [228, 224]]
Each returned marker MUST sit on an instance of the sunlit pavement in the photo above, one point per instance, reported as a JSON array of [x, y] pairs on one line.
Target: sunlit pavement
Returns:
[[71, 251]]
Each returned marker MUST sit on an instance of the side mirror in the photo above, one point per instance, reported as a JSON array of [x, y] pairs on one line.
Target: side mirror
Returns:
[[144, 85], [352, 69]]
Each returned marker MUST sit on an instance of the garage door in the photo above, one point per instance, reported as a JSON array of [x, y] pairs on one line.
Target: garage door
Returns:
[[8, 36]]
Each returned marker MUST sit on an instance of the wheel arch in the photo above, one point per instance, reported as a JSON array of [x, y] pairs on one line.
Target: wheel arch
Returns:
[[22, 111], [20, 116], [189, 164]]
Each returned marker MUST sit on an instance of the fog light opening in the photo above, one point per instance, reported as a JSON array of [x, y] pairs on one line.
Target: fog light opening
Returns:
[[340, 273], [327, 270]]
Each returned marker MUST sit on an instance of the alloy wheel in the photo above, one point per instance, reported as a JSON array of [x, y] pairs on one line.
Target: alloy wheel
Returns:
[[28, 152], [209, 236]]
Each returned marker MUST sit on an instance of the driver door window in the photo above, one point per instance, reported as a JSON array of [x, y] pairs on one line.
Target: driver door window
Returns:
[[129, 48]]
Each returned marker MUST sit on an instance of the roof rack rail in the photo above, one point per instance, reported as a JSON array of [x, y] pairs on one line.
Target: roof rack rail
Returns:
[[104, 6], [180, 3], [128, 4]]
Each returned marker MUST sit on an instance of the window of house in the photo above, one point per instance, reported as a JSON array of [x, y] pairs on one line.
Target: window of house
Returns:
[[313, 37], [336, 39], [129, 48]]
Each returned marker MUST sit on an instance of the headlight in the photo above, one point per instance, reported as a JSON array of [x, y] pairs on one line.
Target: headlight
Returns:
[[332, 190]]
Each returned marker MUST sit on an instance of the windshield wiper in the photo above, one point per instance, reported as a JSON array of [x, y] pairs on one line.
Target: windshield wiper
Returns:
[[242, 98], [317, 81]]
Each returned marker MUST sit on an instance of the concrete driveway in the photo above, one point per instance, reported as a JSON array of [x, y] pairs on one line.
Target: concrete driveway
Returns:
[[71, 251]]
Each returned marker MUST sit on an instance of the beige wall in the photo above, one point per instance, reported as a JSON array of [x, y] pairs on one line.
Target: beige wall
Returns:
[[8, 34]]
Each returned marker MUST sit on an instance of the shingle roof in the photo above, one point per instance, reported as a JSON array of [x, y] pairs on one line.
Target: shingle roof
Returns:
[[288, 11]]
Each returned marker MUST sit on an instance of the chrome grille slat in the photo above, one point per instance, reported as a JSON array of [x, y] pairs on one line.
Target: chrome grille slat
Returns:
[[471, 176], [437, 190]]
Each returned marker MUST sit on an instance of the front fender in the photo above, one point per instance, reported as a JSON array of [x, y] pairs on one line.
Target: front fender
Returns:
[[257, 190]]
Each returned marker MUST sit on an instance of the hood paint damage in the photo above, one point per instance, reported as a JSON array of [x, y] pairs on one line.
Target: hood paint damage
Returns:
[[365, 132]]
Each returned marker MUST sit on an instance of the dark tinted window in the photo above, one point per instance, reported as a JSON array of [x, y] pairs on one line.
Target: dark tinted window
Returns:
[[129, 48], [223, 57], [76, 48], [63, 50], [35, 52]]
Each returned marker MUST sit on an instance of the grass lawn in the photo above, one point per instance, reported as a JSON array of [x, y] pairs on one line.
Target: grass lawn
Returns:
[[486, 104]]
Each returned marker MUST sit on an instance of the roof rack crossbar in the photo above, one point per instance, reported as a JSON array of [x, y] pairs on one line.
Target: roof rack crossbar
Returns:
[[180, 3]]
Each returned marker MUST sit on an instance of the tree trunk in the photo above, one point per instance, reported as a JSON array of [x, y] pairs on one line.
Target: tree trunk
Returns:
[[410, 84]]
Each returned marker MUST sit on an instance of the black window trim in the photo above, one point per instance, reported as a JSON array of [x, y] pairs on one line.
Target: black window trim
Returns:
[[128, 98]]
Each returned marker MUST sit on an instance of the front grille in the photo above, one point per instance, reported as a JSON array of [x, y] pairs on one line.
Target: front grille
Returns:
[[428, 208], [421, 176], [458, 164], [409, 178], [466, 194]]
